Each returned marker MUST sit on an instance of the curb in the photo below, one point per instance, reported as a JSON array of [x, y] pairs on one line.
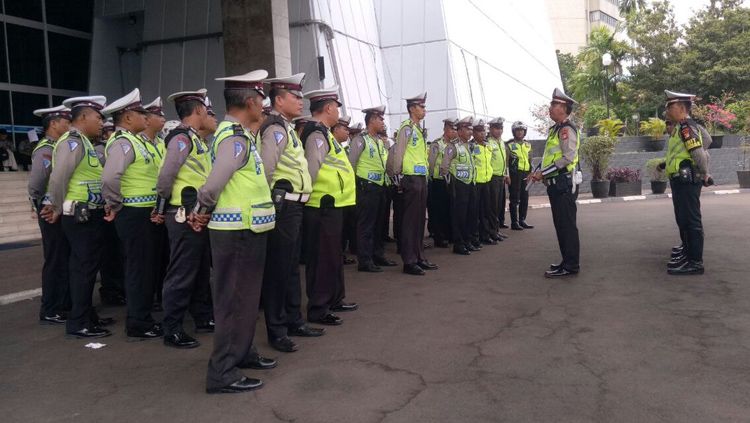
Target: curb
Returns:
[[644, 197]]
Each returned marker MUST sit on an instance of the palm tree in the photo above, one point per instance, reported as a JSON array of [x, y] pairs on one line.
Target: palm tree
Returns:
[[590, 78], [631, 6]]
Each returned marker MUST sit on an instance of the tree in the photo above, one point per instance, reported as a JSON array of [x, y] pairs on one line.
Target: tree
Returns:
[[591, 78], [628, 7], [567, 64]]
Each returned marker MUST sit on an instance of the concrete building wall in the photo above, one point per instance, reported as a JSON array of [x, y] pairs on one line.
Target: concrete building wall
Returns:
[[571, 21]]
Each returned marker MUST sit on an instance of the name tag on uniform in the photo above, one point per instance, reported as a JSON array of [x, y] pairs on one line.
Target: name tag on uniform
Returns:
[[420, 170]]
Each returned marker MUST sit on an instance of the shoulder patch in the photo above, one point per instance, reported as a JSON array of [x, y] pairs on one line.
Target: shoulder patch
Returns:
[[181, 145], [72, 145], [407, 131], [238, 149], [278, 136], [125, 147], [319, 142], [564, 134], [46, 163]]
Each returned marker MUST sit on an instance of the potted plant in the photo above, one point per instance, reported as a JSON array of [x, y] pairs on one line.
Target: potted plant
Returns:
[[655, 170], [624, 181], [743, 173], [610, 127], [655, 128], [595, 152]]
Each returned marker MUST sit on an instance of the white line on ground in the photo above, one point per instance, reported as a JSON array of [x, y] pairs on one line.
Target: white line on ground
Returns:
[[20, 296], [634, 198], [726, 191]]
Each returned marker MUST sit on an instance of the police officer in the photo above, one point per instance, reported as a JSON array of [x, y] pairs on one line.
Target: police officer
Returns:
[[438, 204], [482, 156], [458, 169], [209, 126], [112, 289], [368, 156], [557, 171], [500, 178], [237, 197], [185, 167], [55, 121], [75, 193], [520, 166], [129, 188], [409, 170], [687, 168], [299, 123], [288, 177], [340, 132], [333, 190]]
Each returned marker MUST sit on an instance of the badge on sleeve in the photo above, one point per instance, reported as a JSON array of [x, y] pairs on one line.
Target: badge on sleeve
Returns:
[[278, 136], [237, 149], [319, 142], [407, 131], [46, 163], [125, 148], [181, 145], [72, 144], [564, 134]]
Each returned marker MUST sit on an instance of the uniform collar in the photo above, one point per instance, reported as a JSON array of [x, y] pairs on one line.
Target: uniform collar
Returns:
[[230, 118], [277, 113]]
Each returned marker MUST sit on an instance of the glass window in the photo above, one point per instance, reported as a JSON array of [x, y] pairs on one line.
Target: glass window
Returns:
[[69, 59], [4, 108], [24, 105], [57, 100], [26, 56], [3, 63], [73, 14], [29, 9]]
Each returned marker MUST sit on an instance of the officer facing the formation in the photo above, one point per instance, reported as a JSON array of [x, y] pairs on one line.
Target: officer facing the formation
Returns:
[[438, 206], [129, 188], [482, 156], [55, 122], [368, 156], [235, 203], [75, 193], [500, 178], [558, 172], [186, 166], [687, 168], [408, 169], [457, 168], [333, 190], [289, 179], [520, 166]]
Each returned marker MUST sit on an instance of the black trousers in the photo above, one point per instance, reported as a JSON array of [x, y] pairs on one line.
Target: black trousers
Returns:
[[519, 197], [461, 198], [497, 197], [238, 260], [472, 215], [139, 243], [414, 203], [187, 282], [438, 208], [111, 271], [85, 241], [503, 198], [349, 226], [282, 293], [161, 260], [324, 269], [55, 277], [370, 210], [563, 204], [687, 202], [487, 217], [397, 198], [389, 192]]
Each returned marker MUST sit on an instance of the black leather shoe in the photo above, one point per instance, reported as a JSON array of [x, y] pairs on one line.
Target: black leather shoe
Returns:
[[342, 306], [104, 321], [504, 226], [502, 235], [205, 327], [441, 244], [243, 385], [382, 261], [515, 226], [677, 262], [258, 362], [496, 237], [92, 332], [690, 267], [559, 273], [477, 244], [370, 267], [329, 319], [114, 300], [154, 332], [678, 248], [306, 332], [348, 260], [181, 340], [413, 269], [283, 344], [427, 265], [676, 254], [554, 267], [525, 225], [461, 250], [471, 247], [489, 241], [54, 319]]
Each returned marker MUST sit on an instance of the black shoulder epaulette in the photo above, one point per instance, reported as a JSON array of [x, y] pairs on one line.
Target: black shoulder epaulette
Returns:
[[272, 119], [237, 129], [310, 127], [74, 134], [179, 130]]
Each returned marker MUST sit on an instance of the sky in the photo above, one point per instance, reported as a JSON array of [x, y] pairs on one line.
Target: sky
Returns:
[[685, 9]]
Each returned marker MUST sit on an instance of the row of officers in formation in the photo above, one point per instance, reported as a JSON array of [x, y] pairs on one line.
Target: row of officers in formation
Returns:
[[267, 188]]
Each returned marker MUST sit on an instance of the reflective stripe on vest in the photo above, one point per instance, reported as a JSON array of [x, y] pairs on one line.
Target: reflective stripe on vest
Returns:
[[85, 185], [195, 170], [521, 150], [292, 165], [441, 143], [371, 163], [335, 178], [415, 153], [553, 151], [245, 201], [677, 152], [462, 165], [138, 182], [482, 156], [498, 160]]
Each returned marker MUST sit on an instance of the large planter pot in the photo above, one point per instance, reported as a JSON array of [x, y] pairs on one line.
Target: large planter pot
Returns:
[[744, 177], [716, 141], [658, 187], [655, 145], [624, 189], [600, 189]]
